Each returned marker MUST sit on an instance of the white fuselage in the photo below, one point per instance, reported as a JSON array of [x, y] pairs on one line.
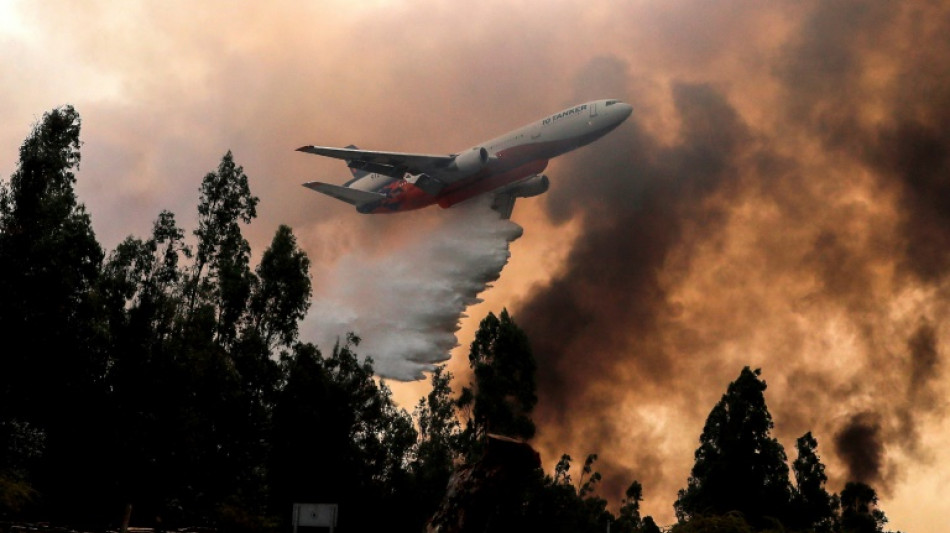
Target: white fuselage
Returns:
[[395, 182]]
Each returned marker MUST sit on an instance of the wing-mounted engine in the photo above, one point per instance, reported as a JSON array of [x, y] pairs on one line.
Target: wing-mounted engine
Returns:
[[528, 187], [504, 201], [471, 161]]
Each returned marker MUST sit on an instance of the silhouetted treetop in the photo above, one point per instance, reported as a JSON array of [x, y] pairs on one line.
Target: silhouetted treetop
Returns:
[[739, 466]]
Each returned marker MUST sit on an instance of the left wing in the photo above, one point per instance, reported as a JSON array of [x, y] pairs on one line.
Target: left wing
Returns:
[[393, 164]]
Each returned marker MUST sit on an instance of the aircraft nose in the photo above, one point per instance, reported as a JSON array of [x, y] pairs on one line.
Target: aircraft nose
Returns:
[[624, 111]]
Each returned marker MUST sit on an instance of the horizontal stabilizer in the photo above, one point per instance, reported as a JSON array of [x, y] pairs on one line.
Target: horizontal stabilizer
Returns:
[[350, 196]]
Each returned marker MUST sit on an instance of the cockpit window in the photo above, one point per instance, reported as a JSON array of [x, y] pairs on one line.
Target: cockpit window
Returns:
[[611, 102]]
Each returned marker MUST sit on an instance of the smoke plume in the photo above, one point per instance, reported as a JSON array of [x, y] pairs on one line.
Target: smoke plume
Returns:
[[859, 445], [813, 244], [406, 302]]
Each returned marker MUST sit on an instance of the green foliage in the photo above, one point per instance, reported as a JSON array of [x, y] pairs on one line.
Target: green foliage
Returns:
[[338, 437], [52, 372], [190, 394], [15, 494], [20, 446], [503, 394], [859, 512], [49, 263], [282, 295], [555, 504], [439, 444], [732, 522], [587, 487], [647, 525], [739, 466], [813, 507], [221, 279], [628, 520]]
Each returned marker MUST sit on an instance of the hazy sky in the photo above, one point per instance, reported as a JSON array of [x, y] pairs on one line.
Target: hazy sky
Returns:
[[779, 198]]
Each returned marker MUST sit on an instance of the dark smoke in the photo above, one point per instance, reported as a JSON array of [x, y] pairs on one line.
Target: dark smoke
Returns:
[[924, 358], [837, 285], [922, 398], [826, 76], [860, 447], [603, 311]]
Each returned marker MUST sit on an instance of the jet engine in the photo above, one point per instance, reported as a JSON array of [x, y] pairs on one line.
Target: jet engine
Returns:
[[528, 187], [471, 161]]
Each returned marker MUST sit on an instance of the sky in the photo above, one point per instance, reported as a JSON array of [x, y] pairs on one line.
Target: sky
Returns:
[[780, 198]]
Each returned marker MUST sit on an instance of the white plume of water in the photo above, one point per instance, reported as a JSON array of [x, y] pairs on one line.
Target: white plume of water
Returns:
[[406, 304]]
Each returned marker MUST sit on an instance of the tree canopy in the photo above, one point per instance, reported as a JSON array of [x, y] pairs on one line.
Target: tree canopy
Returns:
[[503, 393], [739, 465]]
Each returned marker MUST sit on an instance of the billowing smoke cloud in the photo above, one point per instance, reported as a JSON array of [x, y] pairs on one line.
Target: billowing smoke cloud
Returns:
[[406, 302], [812, 243], [605, 313], [859, 445]]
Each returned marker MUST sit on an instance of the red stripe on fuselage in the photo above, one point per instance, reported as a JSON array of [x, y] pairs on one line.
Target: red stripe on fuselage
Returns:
[[511, 165], [402, 196], [491, 182]]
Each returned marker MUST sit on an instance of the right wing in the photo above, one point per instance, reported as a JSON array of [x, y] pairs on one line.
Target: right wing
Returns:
[[348, 195], [392, 164]]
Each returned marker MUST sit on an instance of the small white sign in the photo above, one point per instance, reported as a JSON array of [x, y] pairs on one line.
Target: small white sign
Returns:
[[315, 514]]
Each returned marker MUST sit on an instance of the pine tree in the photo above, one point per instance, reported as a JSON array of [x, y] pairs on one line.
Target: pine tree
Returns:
[[739, 466]]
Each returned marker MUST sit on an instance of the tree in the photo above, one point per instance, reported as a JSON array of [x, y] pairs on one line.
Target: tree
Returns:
[[231, 375], [439, 443], [813, 507], [221, 279], [732, 522], [279, 299], [193, 377], [648, 525], [859, 512], [338, 437], [555, 504], [150, 404], [629, 519], [503, 393], [739, 466], [49, 261], [282, 296], [52, 374]]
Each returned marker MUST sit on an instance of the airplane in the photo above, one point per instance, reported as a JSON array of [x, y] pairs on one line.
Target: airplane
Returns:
[[508, 167]]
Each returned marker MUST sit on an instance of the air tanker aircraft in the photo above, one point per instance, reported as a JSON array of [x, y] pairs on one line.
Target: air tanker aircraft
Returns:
[[507, 167]]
